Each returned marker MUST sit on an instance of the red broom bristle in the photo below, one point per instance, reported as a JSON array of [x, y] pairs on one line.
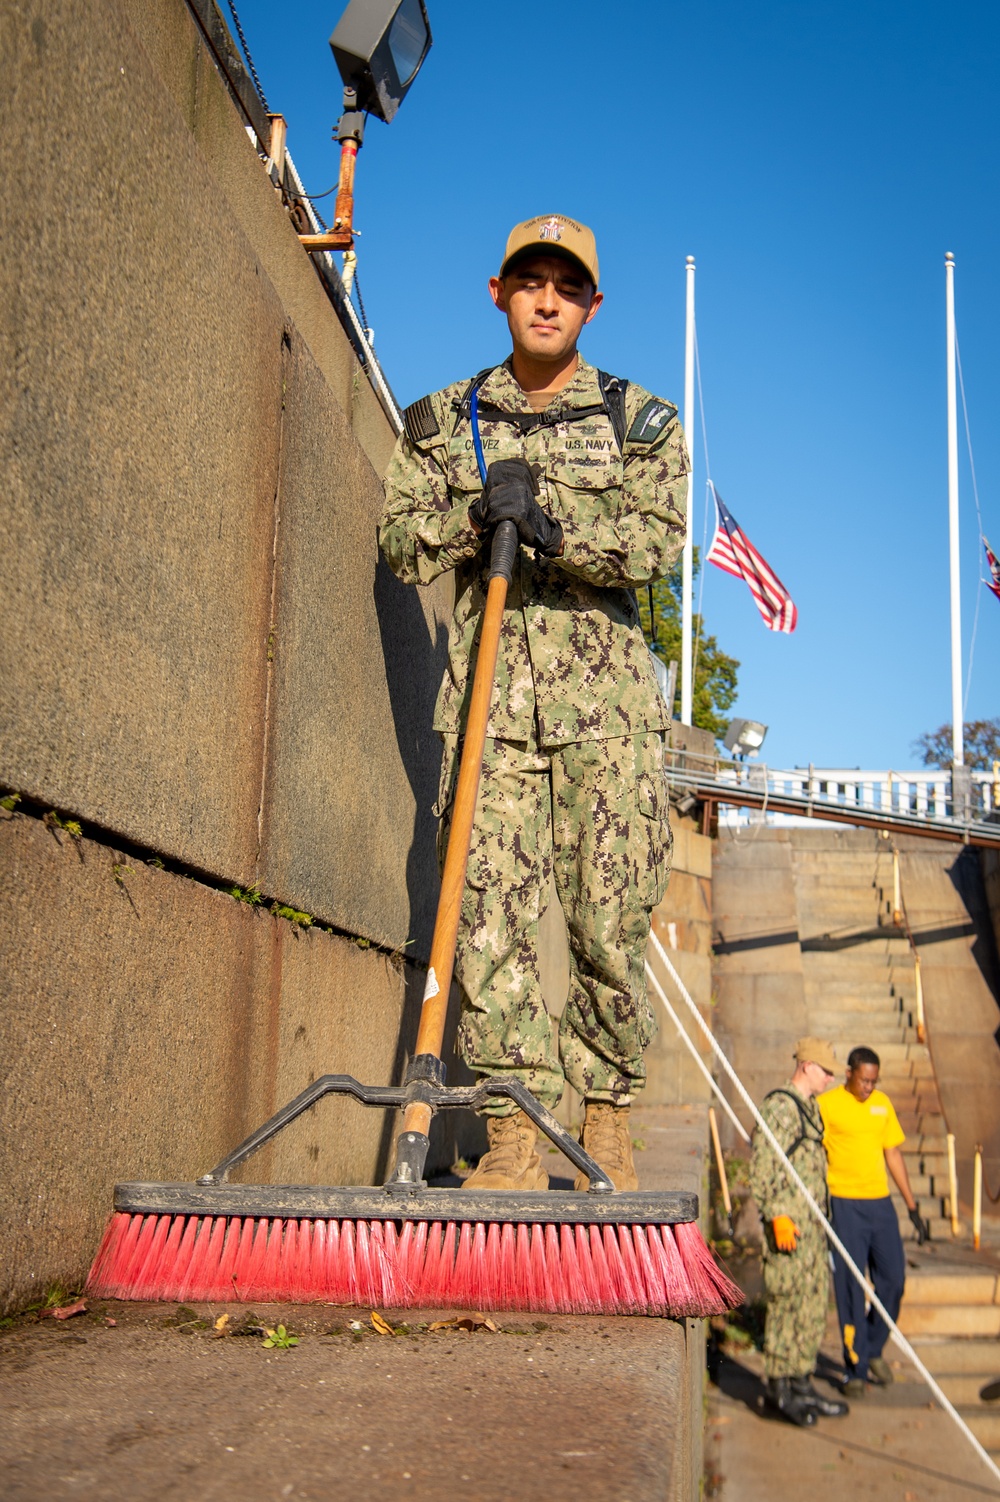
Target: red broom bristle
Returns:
[[584, 1269], [677, 1292], [714, 1290], [161, 1244], [225, 1283], [115, 1253], [652, 1284], [253, 1250], [522, 1292], [574, 1285], [599, 1261], [461, 1278], [596, 1286], [552, 1271]]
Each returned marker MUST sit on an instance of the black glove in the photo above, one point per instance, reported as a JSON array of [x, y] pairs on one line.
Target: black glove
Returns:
[[509, 495], [921, 1227]]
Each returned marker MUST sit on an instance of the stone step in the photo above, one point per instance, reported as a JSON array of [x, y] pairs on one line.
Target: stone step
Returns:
[[922, 1185], [854, 1001], [984, 1423], [949, 1319], [953, 1288], [933, 1162], [926, 1124], [940, 1225], [876, 1032], [903, 1050], [950, 1357], [963, 1389]]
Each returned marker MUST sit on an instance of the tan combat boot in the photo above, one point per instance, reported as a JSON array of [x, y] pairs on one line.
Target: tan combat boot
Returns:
[[511, 1162], [607, 1138]]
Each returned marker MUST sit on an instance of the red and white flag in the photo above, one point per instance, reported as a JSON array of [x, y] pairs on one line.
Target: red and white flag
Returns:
[[991, 559], [734, 553]]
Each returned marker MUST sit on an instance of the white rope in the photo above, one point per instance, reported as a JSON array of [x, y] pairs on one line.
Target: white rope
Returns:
[[856, 1274], [713, 1083]]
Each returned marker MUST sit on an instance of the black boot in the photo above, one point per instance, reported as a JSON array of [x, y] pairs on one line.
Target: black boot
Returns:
[[788, 1402], [830, 1408]]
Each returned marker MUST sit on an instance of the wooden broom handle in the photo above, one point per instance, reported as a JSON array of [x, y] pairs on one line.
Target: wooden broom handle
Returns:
[[430, 1034]]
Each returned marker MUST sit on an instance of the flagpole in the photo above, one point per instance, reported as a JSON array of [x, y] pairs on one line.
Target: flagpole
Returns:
[[956, 605], [687, 577]]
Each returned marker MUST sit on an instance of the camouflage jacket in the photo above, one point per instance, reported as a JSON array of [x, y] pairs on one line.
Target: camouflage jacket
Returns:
[[573, 663], [770, 1185]]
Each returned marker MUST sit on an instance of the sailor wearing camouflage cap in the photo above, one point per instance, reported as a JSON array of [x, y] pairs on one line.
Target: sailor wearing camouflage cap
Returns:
[[593, 471]]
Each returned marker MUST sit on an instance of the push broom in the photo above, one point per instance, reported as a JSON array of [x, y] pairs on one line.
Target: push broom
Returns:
[[406, 1243]]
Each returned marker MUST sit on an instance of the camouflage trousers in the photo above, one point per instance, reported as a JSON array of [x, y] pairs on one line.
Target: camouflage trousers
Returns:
[[595, 815], [797, 1285]]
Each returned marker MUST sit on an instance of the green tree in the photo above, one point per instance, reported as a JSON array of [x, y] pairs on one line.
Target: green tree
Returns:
[[981, 745], [714, 671]]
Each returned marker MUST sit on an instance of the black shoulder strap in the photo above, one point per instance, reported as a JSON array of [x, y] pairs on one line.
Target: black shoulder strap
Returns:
[[464, 404], [613, 391], [805, 1121]]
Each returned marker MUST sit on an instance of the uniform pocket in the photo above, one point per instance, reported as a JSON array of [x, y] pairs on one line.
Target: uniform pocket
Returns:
[[653, 839], [447, 779], [582, 491]]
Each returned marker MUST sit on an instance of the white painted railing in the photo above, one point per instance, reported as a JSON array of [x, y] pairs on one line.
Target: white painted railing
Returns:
[[910, 795]]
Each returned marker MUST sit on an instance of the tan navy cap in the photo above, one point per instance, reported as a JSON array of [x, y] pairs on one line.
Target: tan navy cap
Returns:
[[816, 1051], [554, 232]]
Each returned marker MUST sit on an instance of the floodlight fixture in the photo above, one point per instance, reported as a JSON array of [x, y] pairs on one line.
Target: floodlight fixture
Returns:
[[745, 737], [379, 47]]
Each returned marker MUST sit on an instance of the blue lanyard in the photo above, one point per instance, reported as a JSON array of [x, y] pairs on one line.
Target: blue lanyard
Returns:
[[477, 442]]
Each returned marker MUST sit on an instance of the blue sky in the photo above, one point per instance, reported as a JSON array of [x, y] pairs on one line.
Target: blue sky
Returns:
[[817, 160]]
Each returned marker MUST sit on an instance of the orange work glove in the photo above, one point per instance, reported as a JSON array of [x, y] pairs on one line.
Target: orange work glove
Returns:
[[785, 1231]]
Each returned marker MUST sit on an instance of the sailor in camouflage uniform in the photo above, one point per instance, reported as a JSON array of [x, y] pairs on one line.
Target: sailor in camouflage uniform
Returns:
[[796, 1258], [594, 472]]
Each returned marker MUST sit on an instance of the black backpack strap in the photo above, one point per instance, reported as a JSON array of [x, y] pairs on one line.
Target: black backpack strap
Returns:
[[613, 390], [464, 404], [805, 1121]]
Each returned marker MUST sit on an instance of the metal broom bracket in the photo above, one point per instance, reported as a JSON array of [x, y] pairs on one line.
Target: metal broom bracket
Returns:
[[424, 1084]]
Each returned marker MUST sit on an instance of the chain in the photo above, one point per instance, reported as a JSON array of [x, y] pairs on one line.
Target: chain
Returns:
[[246, 53]]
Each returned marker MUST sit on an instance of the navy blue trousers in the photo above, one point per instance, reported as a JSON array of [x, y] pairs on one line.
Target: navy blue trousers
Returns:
[[870, 1232]]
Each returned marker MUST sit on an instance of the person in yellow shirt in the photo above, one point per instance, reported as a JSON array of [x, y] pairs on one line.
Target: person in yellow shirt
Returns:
[[862, 1136]]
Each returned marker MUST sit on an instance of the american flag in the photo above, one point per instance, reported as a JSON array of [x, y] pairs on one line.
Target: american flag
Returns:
[[991, 559], [734, 553]]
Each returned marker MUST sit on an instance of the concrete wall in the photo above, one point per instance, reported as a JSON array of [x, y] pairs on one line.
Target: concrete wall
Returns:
[[683, 925], [150, 1022], [989, 861], [201, 652], [947, 907], [757, 969], [202, 658]]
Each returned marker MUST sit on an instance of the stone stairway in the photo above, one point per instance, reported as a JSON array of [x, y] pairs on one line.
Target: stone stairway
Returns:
[[860, 988], [951, 1316], [804, 942]]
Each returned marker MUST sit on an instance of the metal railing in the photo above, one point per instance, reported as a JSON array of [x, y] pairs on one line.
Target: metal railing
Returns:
[[932, 802]]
